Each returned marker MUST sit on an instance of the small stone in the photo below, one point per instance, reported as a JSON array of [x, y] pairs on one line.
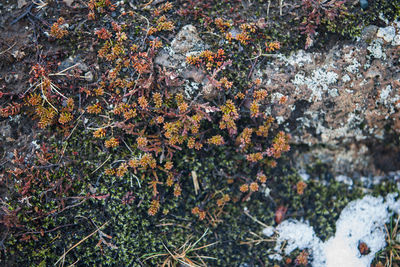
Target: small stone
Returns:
[[186, 40], [89, 76], [364, 4], [368, 33], [9, 78]]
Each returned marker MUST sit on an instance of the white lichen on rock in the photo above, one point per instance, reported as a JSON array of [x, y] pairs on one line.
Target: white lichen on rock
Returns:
[[318, 82], [375, 48], [387, 33]]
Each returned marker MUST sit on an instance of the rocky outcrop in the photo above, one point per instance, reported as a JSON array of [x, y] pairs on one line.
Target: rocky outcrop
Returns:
[[341, 101], [338, 103]]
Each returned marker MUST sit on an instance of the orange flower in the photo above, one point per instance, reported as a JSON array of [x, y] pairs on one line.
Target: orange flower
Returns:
[[183, 107], [94, 109], [300, 186], [244, 188], [261, 177], [260, 94], [168, 165], [254, 157], [110, 171], [195, 210], [254, 109], [177, 190], [254, 187], [170, 180], [133, 163], [122, 169], [99, 133], [141, 141], [202, 215], [157, 98], [227, 84], [143, 102], [103, 33], [216, 140], [159, 119], [129, 114], [191, 142], [198, 145], [112, 142], [65, 117], [154, 207], [57, 29]]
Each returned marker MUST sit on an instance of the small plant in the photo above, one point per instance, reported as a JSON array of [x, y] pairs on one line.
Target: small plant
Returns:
[[49, 96], [391, 253], [185, 255], [317, 11], [58, 29]]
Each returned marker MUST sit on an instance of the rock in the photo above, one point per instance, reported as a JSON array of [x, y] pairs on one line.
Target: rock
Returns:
[[368, 33], [186, 42], [89, 76], [71, 61], [340, 100], [364, 4], [396, 40], [387, 33]]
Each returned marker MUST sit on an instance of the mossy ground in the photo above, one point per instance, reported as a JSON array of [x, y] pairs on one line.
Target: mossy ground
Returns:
[[135, 234], [130, 233]]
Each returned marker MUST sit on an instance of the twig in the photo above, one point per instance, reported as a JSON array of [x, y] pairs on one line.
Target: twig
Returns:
[[45, 97], [73, 264], [172, 224], [255, 219], [269, 4], [195, 182], [101, 165], [62, 72], [27, 12], [48, 231], [77, 244], [256, 241], [8, 49], [65, 146]]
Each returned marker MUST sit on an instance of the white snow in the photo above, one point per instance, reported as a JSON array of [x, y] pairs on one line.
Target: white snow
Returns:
[[268, 231], [361, 220]]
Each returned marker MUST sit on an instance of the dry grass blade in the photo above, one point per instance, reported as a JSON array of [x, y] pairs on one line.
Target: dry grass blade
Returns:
[[391, 253], [184, 255], [77, 244]]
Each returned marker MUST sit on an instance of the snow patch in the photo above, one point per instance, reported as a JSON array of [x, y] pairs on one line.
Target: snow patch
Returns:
[[361, 220]]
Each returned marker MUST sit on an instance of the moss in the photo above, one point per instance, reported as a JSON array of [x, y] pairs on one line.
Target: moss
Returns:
[[135, 234]]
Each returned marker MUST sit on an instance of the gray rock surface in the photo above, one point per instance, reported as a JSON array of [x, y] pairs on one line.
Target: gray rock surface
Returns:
[[340, 103]]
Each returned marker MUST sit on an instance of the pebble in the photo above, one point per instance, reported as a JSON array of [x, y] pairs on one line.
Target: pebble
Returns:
[[364, 4], [89, 76]]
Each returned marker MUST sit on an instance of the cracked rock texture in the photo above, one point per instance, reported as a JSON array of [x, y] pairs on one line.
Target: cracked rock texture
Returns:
[[343, 104], [342, 107]]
